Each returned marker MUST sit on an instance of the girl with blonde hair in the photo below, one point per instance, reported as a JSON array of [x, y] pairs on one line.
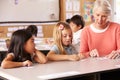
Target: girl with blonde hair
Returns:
[[62, 48]]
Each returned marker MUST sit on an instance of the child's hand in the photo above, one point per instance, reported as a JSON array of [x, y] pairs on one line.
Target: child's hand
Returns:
[[74, 57], [81, 56], [27, 63], [94, 53]]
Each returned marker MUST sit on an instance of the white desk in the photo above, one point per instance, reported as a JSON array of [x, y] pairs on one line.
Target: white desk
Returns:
[[61, 69]]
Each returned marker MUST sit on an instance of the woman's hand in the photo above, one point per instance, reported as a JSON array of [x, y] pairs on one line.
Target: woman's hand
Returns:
[[94, 53], [114, 55], [27, 63]]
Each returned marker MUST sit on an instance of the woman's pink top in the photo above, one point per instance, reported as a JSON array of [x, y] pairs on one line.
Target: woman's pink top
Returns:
[[105, 42]]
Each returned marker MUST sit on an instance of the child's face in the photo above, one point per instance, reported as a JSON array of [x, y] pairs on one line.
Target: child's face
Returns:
[[30, 46], [66, 37], [74, 27]]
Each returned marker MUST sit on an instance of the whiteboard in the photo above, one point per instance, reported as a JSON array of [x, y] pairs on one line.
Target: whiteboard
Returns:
[[29, 10]]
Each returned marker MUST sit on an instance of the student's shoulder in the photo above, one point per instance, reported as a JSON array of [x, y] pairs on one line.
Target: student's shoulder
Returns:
[[54, 47], [73, 49], [114, 24], [10, 54]]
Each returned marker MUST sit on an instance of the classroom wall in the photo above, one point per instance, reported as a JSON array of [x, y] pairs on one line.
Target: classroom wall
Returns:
[[43, 13], [48, 28]]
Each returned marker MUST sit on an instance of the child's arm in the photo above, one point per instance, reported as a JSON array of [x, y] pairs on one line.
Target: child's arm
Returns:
[[56, 57], [81, 56], [8, 63], [40, 57]]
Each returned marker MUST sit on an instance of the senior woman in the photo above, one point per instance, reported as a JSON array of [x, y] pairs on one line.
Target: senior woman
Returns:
[[102, 37]]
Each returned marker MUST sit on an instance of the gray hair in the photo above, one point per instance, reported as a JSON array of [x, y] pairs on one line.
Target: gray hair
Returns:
[[102, 5]]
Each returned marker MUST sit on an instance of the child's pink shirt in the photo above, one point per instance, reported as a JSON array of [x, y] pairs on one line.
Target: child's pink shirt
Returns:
[[105, 42]]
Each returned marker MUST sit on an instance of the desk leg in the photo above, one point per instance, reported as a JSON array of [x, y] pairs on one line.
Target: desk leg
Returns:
[[0, 58], [97, 76]]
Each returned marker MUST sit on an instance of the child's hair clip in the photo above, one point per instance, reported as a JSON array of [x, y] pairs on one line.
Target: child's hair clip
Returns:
[[61, 27]]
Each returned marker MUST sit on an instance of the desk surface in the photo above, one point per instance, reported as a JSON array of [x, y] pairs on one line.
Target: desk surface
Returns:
[[61, 69]]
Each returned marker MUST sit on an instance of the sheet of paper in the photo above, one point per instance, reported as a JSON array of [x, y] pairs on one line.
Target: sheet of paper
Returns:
[[9, 34], [59, 75], [76, 5], [21, 27], [76, 13], [102, 58], [68, 5], [15, 28], [40, 35], [69, 15], [40, 28], [10, 29]]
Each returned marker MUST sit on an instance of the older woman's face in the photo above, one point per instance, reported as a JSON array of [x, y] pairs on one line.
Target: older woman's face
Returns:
[[101, 18]]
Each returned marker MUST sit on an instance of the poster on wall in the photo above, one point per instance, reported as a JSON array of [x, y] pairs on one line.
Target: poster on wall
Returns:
[[88, 11]]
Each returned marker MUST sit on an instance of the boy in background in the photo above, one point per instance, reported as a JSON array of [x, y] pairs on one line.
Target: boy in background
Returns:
[[77, 23]]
